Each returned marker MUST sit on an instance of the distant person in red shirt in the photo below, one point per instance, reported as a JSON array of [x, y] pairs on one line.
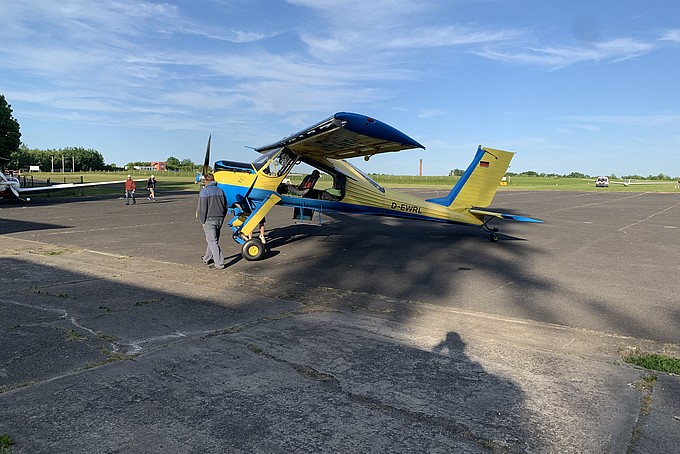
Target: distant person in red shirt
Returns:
[[130, 188]]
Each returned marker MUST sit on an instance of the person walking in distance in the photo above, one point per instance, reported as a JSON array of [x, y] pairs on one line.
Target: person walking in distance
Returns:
[[130, 187], [151, 187], [212, 208]]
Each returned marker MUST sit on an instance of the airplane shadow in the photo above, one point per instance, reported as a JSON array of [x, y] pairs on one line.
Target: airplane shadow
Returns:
[[440, 400], [15, 226]]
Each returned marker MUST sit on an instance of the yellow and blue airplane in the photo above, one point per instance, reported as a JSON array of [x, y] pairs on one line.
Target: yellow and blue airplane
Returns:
[[252, 189]]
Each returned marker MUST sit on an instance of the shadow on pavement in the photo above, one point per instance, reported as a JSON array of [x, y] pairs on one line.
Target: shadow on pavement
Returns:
[[15, 226], [127, 365]]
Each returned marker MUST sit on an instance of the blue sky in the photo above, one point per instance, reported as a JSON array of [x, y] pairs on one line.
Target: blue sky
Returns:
[[569, 85]]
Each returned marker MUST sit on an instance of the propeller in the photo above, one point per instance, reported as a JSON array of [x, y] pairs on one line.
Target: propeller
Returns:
[[206, 166], [206, 162], [18, 196]]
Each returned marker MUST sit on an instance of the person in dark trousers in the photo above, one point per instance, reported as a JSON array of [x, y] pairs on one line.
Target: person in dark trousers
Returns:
[[261, 227], [151, 187], [212, 208], [130, 187]]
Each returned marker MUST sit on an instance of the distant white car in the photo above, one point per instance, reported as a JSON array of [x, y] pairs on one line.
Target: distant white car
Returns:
[[602, 182]]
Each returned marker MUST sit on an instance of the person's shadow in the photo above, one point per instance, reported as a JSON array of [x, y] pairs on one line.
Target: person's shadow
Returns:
[[488, 405]]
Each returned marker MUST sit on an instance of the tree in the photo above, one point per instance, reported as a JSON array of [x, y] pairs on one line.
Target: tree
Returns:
[[577, 175], [187, 165], [172, 163], [80, 158], [85, 159], [10, 136]]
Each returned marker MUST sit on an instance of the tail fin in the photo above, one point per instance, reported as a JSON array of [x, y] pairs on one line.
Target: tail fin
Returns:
[[479, 183]]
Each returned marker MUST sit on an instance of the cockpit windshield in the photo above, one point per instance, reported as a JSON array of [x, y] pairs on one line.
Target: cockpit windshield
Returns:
[[262, 159], [278, 162]]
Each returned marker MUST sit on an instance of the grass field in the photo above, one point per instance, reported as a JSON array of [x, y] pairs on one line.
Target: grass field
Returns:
[[526, 183], [178, 181]]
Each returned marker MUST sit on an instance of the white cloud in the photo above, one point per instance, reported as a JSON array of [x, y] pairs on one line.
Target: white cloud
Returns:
[[672, 120], [452, 35], [672, 35], [431, 113], [557, 57]]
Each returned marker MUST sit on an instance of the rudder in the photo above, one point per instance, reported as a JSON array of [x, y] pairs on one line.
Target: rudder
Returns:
[[479, 183]]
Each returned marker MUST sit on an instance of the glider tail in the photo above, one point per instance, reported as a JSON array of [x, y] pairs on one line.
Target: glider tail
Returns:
[[479, 183]]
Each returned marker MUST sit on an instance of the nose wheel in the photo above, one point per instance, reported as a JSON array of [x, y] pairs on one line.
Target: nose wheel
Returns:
[[252, 250]]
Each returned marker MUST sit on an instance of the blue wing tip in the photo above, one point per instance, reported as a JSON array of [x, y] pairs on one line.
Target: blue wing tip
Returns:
[[520, 218]]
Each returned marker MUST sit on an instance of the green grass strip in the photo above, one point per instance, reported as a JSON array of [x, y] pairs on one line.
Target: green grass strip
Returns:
[[653, 361]]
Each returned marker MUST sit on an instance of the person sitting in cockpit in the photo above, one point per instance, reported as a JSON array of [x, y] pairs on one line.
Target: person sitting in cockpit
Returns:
[[332, 194], [307, 184]]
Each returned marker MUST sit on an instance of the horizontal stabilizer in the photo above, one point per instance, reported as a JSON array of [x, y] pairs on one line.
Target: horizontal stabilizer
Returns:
[[512, 217]]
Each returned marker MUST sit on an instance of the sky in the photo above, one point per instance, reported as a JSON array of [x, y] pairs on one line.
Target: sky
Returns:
[[570, 86]]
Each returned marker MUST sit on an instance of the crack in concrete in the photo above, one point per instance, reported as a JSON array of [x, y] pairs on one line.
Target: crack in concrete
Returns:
[[329, 381], [646, 386]]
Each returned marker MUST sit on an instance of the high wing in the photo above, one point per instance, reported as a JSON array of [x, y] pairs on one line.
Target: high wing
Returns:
[[629, 183], [345, 135], [11, 189], [57, 187]]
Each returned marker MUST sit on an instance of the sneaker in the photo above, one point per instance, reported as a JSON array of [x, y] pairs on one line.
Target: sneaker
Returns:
[[149, 199], [207, 262], [262, 239]]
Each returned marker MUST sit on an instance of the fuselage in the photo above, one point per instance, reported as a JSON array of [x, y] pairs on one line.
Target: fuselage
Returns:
[[352, 191]]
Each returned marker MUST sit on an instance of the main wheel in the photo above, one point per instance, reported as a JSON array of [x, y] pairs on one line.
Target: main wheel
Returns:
[[253, 249]]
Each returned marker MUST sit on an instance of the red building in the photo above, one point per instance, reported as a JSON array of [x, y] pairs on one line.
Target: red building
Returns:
[[158, 166]]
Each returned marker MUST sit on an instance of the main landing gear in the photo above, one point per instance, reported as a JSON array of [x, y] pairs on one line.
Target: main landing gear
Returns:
[[253, 249]]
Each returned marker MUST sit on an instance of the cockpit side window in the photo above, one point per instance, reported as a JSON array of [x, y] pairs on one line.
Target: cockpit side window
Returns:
[[369, 179]]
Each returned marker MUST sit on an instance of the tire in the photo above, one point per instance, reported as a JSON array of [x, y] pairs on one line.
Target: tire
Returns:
[[493, 237], [252, 250]]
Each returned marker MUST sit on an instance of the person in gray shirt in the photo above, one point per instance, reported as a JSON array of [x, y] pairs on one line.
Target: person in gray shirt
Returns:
[[212, 208]]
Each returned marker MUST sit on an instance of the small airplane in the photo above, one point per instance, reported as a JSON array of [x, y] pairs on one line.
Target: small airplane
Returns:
[[252, 189], [604, 182], [628, 183], [10, 187]]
